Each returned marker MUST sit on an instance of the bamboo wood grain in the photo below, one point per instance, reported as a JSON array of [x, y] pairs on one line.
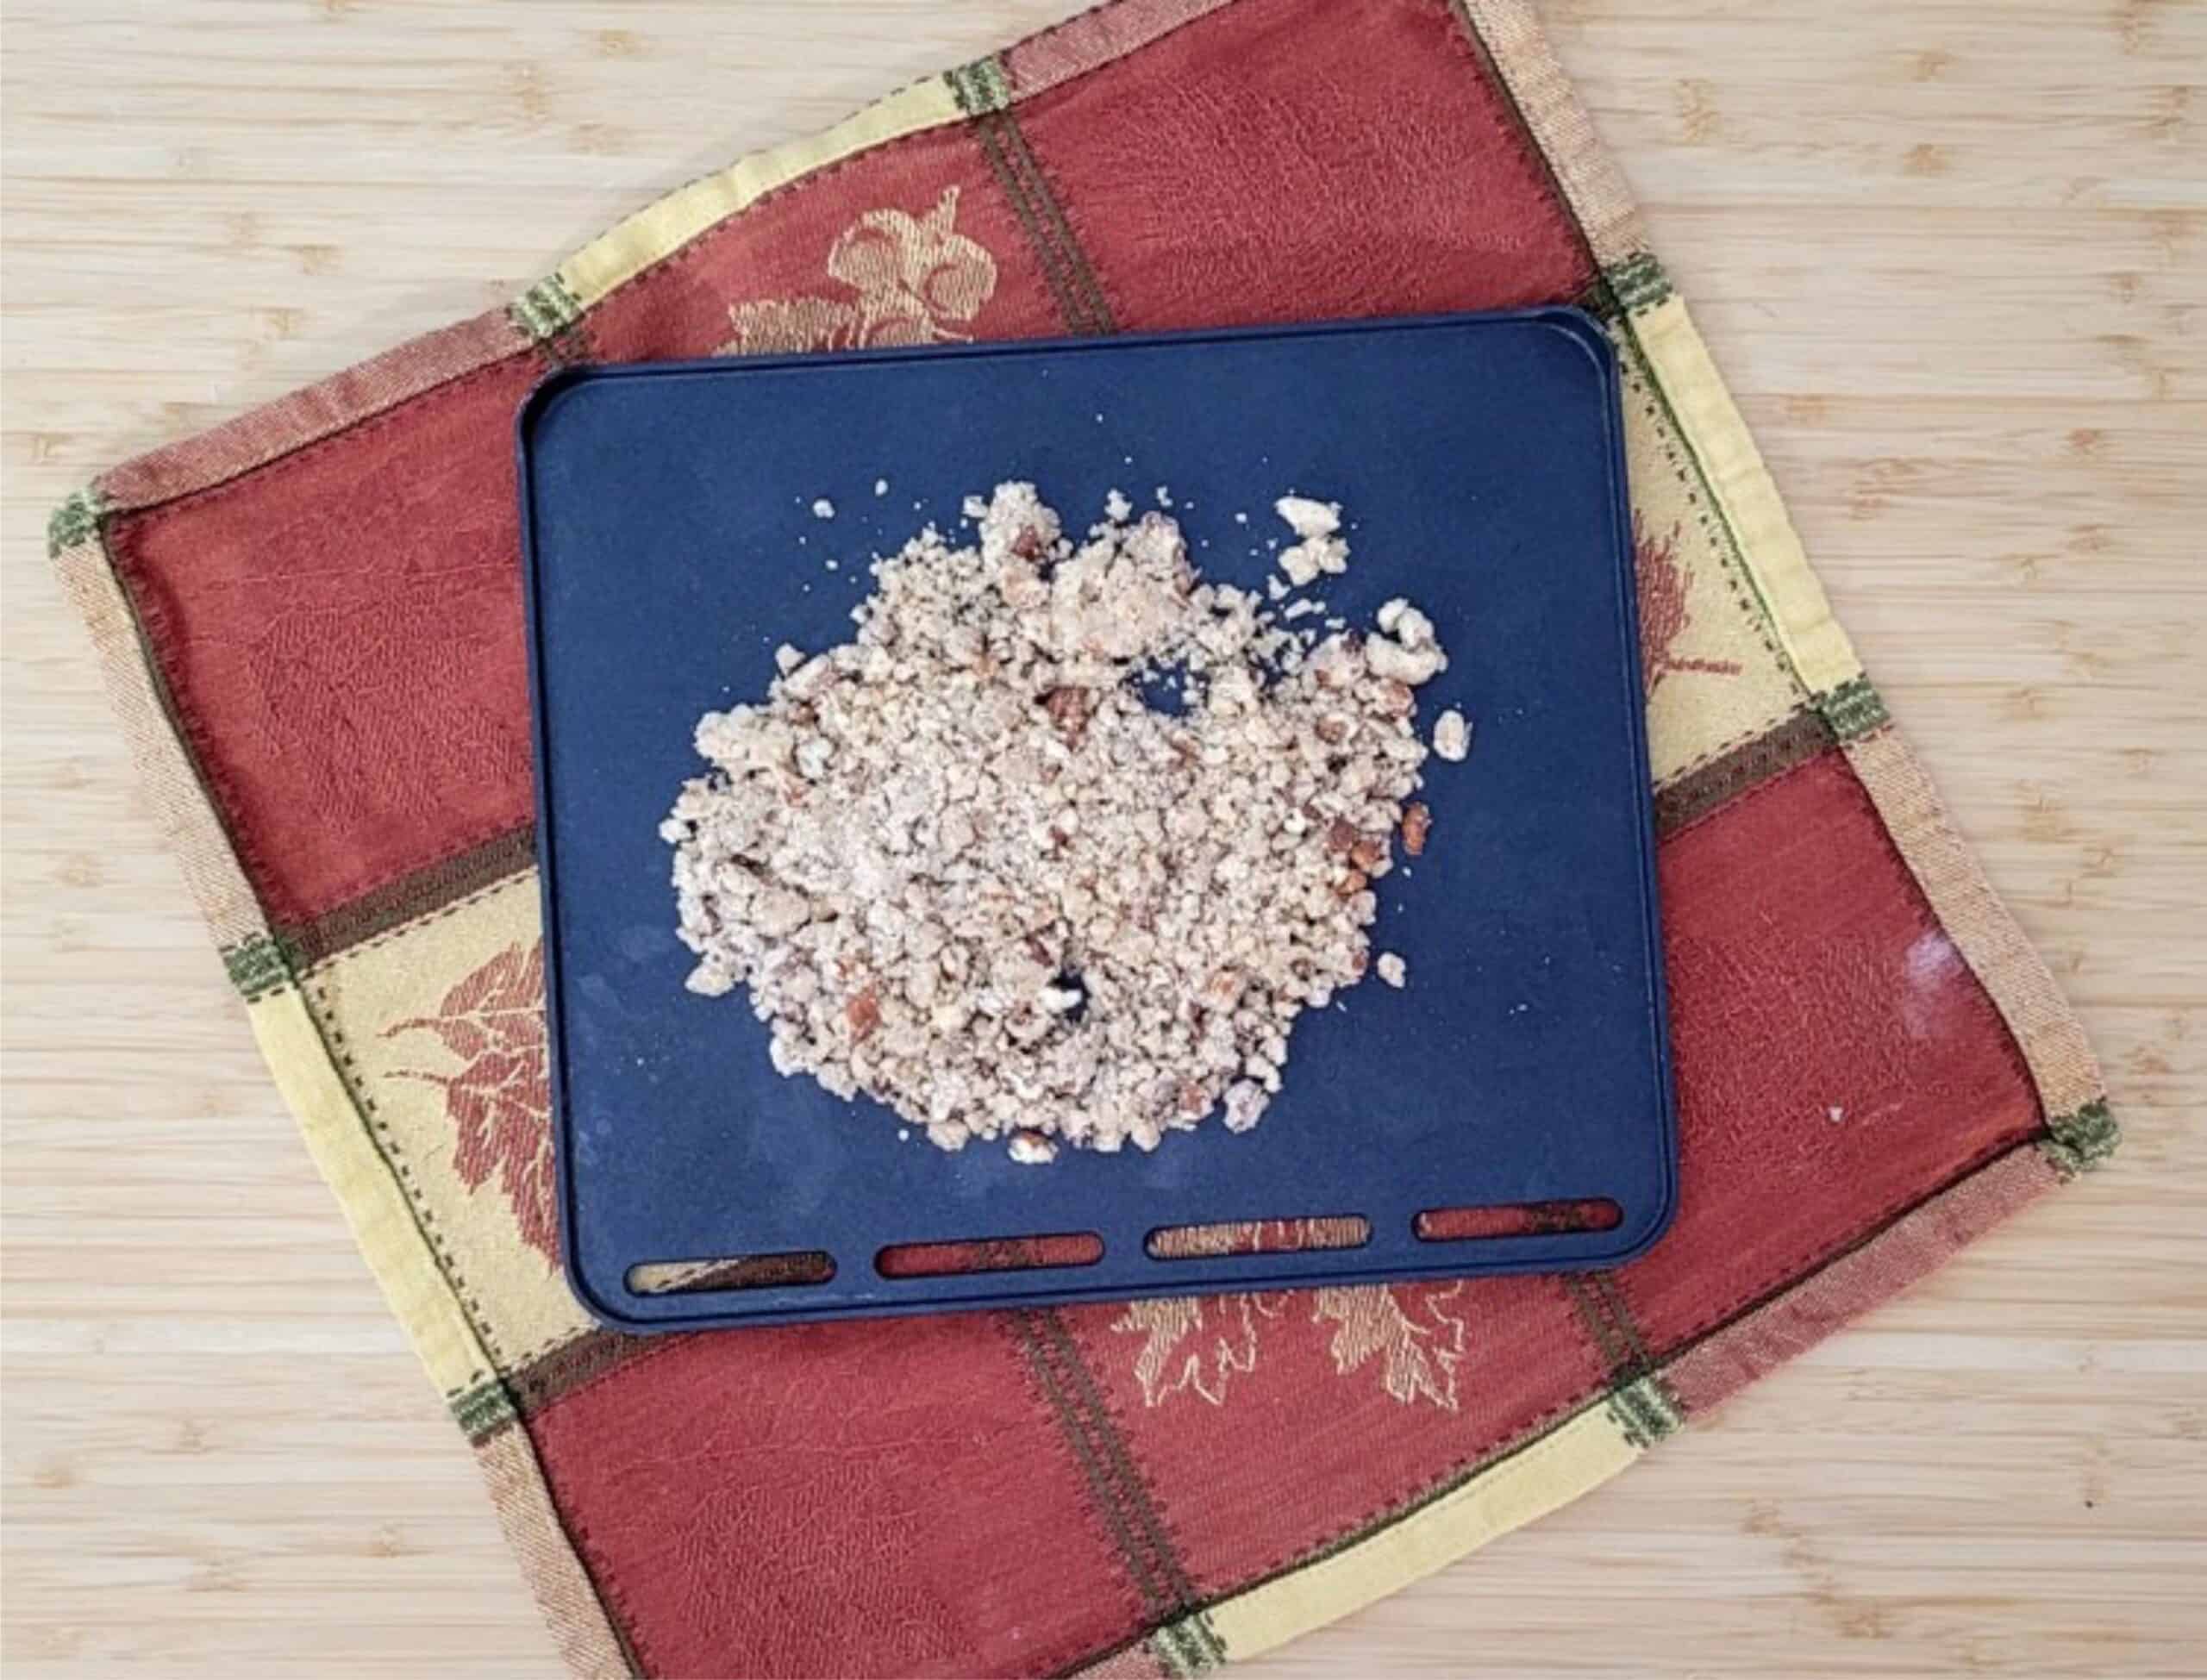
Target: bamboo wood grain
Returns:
[[1950, 254]]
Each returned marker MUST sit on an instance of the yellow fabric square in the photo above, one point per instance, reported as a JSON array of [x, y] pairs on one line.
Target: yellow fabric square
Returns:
[[1713, 674], [439, 1029]]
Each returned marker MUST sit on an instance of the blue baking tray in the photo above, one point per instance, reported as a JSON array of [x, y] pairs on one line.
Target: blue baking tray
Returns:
[[671, 544]]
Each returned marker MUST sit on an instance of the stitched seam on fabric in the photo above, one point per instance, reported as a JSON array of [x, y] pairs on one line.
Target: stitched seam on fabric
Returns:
[[388, 1147], [1688, 801], [384, 876], [1047, 258], [165, 508], [1142, 1500], [335, 959], [1080, 1432], [147, 621], [620, 1617], [1072, 1655], [1748, 1303], [652, 1347], [1053, 204], [1732, 743], [1484, 63], [1732, 549], [1678, 450], [411, 907], [1515, 135], [1024, 1323]]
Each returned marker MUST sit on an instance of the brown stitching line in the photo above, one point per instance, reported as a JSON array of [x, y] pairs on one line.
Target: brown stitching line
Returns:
[[329, 964], [1731, 744], [1047, 257], [1465, 42], [409, 905], [167, 508], [1062, 1414], [1639, 379], [347, 1068], [283, 453], [386, 874], [1143, 1500], [1052, 203], [652, 1347], [1756, 769]]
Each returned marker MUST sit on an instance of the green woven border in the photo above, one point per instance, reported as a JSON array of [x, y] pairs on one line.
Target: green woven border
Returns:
[[484, 1410], [1854, 710], [258, 967], [77, 520], [1638, 282], [2080, 1142], [981, 86], [1188, 1645], [546, 310], [1646, 1411]]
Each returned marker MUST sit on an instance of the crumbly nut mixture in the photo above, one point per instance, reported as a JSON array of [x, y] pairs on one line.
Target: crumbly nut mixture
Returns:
[[960, 862]]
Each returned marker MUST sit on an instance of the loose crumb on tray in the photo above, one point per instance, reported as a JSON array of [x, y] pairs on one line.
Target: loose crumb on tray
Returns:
[[1452, 736], [822, 508], [1392, 970], [960, 864]]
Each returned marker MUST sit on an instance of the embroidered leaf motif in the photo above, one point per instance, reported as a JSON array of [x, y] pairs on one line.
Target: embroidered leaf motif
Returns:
[[499, 1102], [913, 280], [1193, 1344], [1664, 581], [1420, 1354]]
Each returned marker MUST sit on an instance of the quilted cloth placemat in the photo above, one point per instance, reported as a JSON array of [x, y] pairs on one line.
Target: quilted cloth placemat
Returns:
[[311, 621]]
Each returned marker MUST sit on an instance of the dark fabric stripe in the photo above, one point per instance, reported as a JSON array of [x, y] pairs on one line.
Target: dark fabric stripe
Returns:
[[1035, 1342], [988, 132], [1701, 792], [1095, 311], [573, 1364], [1141, 1506], [424, 892]]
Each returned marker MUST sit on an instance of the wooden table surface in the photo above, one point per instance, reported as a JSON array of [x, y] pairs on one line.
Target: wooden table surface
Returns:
[[1950, 253]]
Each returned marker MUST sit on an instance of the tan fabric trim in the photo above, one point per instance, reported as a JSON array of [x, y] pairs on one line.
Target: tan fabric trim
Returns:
[[1095, 38], [275, 430], [1597, 192], [2052, 1043], [579, 1627], [180, 804]]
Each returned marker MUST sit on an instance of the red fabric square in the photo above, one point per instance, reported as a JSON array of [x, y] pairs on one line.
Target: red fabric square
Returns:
[[1268, 1425], [1280, 160], [340, 632], [914, 242], [1836, 1057], [851, 1499]]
